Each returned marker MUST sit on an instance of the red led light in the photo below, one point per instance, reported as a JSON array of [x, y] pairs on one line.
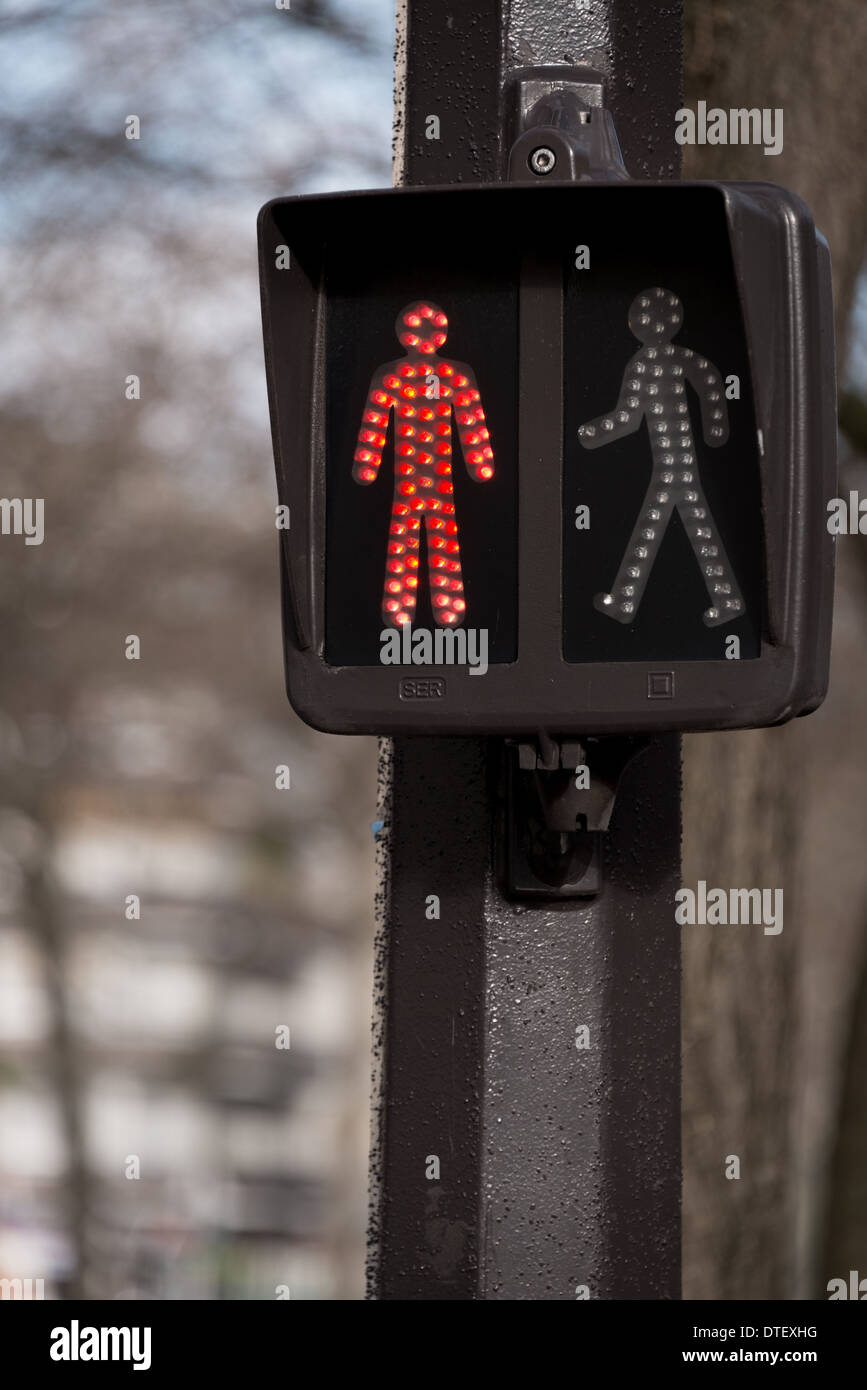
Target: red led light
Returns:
[[423, 486]]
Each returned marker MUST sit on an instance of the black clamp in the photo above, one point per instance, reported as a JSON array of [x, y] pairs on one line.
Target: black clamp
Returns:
[[561, 131]]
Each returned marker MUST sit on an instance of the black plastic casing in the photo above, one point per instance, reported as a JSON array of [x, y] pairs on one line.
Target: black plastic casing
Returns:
[[783, 277]]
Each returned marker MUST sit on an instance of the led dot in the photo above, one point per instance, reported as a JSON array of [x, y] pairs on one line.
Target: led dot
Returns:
[[367, 475], [486, 471]]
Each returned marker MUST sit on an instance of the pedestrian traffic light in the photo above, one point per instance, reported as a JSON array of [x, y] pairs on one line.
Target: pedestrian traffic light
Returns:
[[552, 457]]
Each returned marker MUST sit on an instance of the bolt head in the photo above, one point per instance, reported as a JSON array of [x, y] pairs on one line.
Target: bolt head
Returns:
[[542, 160]]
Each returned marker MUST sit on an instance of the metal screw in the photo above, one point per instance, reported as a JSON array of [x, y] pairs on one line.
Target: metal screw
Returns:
[[542, 161]]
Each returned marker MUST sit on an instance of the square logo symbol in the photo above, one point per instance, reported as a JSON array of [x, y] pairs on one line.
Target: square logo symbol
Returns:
[[660, 685]]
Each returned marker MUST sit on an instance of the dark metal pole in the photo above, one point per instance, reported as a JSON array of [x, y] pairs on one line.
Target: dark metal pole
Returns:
[[508, 1162]]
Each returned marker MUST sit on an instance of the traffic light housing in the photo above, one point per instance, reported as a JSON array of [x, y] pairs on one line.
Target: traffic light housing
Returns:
[[552, 457]]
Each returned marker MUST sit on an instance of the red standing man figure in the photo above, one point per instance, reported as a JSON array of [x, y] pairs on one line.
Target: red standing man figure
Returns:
[[423, 391]]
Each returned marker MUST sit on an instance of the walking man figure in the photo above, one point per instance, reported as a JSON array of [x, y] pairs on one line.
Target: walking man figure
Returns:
[[654, 389]]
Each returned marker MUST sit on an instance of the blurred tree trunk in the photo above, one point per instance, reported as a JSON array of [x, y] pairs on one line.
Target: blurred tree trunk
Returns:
[[751, 1072]]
